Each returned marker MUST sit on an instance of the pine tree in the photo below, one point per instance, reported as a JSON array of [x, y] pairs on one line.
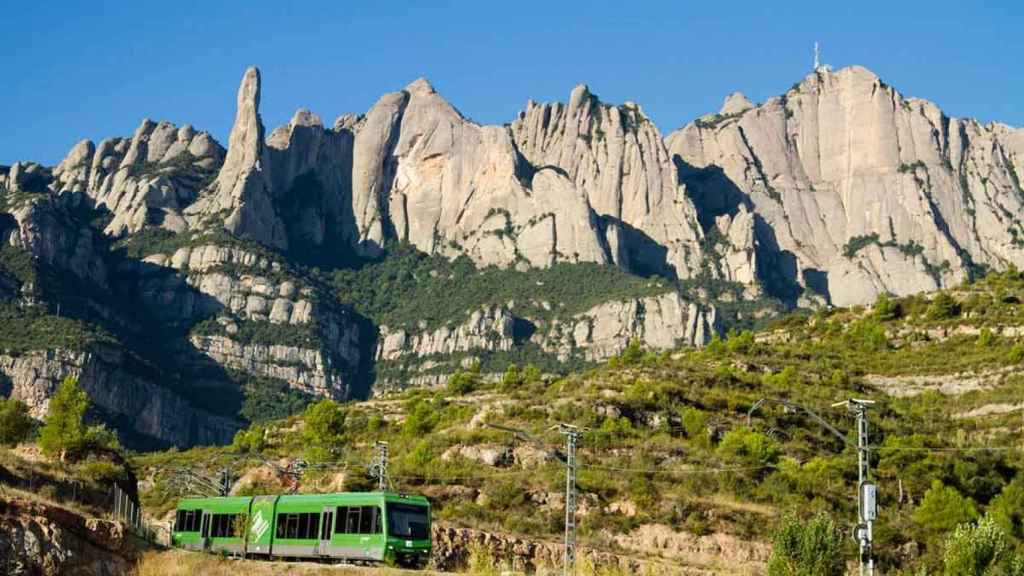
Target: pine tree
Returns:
[[64, 432]]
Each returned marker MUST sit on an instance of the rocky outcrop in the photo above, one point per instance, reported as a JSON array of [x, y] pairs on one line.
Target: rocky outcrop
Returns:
[[615, 156], [425, 175], [145, 180], [665, 552], [488, 329], [43, 227], [105, 373], [309, 370], [657, 322], [855, 189], [46, 539]]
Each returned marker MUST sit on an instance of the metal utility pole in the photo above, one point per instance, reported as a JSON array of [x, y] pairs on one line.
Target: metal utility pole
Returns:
[[867, 492], [382, 466], [572, 434]]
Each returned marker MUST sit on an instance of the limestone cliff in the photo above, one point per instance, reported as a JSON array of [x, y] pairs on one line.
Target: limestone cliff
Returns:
[[857, 190], [145, 180]]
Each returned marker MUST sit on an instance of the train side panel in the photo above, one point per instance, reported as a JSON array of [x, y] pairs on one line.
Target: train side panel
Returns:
[[261, 525]]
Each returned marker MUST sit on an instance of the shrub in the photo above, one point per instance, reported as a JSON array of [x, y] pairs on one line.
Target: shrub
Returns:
[[942, 509], [1007, 509], [807, 548], [325, 429], [978, 550], [943, 306], [64, 433], [15, 423], [887, 309], [749, 447], [461, 383]]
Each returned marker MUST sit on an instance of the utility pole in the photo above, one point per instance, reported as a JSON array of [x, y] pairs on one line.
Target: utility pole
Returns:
[[382, 466], [867, 492], [572, 434]]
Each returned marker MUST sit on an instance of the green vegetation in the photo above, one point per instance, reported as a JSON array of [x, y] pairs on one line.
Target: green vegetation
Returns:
[[260, 332], [63, 434], [668, 433], [981, 549], [15, 423], [409, 289], [38, 330], [807, 548]]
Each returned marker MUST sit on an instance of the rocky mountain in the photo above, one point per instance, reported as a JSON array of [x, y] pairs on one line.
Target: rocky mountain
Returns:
[[393, 248], [855, 190]]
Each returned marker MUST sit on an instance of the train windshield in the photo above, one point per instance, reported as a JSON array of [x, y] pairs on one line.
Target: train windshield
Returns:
[[408, 521]]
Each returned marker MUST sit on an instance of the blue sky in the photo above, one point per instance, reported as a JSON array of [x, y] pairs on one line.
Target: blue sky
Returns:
[[95, 69]]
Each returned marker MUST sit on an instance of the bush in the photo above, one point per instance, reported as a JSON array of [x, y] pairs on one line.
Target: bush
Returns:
[[887, 309], [749, 447], [1007, 509], [980, 550], [15, 423], [461, 383], [807, 548], [943, 509], [64, 433], [325, 429], [943, 307]]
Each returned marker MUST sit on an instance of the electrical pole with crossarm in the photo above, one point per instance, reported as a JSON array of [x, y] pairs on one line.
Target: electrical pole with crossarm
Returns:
[[867, 492], [572, 435]]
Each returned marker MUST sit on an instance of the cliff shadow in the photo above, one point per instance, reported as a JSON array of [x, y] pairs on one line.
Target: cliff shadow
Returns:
[[635, 251], [715, 194], [712, 192], [365, 374]]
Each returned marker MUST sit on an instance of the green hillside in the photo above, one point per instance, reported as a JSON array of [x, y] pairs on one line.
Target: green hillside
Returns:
[[667, 440]]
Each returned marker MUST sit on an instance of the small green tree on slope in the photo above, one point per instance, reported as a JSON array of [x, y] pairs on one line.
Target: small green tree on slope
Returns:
[[981, 549], [807, 548], [15, 423], [64, 431]]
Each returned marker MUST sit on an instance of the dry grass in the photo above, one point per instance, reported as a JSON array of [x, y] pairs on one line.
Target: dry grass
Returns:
[[182, 563]]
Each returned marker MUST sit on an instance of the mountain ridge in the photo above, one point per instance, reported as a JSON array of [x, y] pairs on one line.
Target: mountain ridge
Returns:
[[273, 270]]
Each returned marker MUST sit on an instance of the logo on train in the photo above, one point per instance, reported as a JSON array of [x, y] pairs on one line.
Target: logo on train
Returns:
[[259, 526]]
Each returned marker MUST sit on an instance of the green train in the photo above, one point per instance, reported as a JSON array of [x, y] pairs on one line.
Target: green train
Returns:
[[354, 526]]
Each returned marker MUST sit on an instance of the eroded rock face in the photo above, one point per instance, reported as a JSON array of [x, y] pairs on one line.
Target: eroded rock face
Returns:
[[41, 538], [145, 180], [856, 190], [103, 372], [658, 323], [487, 329], [424, 174], [615, 156], [41, 227]]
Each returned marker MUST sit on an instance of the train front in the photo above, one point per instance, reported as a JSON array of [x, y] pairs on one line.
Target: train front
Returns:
[[408, 530]]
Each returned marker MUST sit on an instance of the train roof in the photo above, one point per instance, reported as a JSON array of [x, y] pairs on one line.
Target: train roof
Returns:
[[328, 497]]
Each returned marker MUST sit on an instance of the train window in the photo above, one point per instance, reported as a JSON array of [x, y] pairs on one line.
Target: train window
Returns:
[[223, 525], [302, 526], [339, 519], [352, 522], [179, 521], [368, 523], [190, 520]]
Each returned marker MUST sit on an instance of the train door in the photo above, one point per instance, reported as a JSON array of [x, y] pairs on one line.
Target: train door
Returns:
[[326, 528], [204, 530]]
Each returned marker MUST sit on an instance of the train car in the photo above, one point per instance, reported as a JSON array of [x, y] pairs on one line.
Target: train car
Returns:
[[360, 526], [211, 524]]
